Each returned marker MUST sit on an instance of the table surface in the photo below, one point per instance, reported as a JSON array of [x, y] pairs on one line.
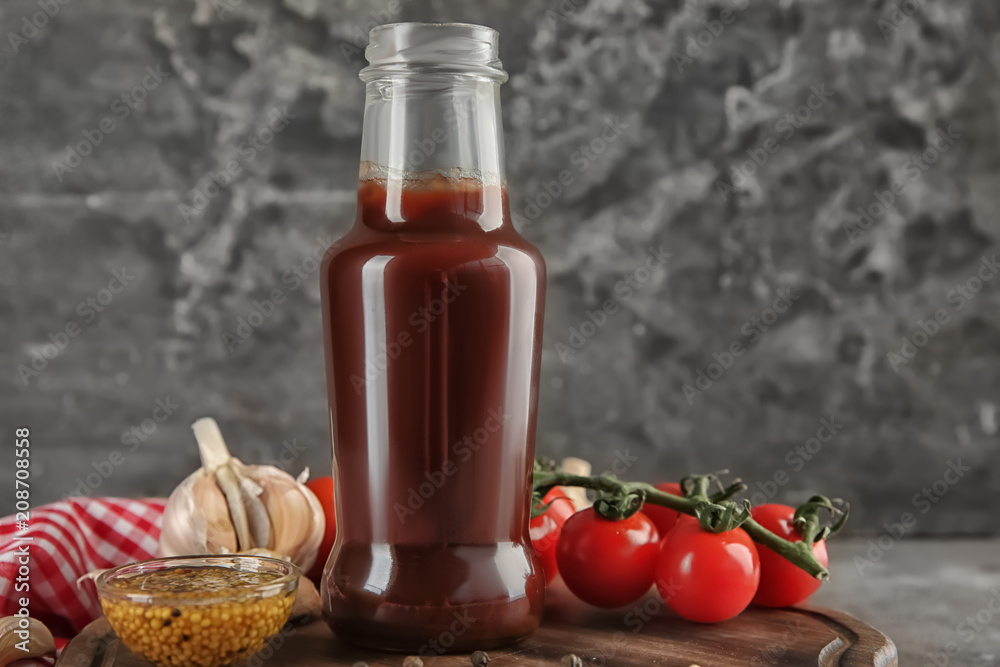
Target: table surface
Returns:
[[919, 593], [928, 596]]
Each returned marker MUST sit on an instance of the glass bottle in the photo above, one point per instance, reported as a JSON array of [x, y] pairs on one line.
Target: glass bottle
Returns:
[[432, 312]]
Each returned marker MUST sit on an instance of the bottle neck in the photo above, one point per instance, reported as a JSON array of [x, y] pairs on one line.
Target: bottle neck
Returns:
[[439, 132], [421, 126]]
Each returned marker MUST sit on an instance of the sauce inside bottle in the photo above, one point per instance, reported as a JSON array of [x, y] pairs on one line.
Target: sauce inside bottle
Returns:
[[433, 304]]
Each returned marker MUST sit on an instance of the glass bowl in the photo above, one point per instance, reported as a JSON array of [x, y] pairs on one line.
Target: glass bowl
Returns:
[[198, 611]]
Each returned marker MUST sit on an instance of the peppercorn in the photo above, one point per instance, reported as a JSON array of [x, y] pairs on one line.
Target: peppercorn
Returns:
[[412, 661], [571, 660], [480, 659]]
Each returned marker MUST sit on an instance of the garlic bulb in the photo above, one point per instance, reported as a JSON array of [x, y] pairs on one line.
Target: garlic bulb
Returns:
[[226, 506], [577, 494], [23, 638]]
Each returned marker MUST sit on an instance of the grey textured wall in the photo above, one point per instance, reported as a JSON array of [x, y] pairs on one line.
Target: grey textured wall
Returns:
[[834, 100]]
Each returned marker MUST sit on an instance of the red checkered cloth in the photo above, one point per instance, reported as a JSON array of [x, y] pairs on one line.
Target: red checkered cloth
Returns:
[[70, 538]]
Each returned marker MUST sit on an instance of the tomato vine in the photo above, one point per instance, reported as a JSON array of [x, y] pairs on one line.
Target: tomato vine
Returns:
[[715, 510]]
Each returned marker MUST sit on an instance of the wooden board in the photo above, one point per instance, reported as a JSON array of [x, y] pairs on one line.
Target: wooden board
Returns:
[[623, 638]]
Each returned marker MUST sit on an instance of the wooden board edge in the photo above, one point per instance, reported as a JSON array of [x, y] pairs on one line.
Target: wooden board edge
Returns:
[[94, 641], [867, 647]]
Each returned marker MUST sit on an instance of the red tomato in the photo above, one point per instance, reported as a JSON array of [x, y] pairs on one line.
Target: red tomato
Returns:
[[781, 583], [323, 488], [545, 529], [661, 516], [707, 577], [607, 563], [682, 519]]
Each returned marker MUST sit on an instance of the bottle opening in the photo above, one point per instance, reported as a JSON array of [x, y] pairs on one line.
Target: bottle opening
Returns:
[[450, 48]]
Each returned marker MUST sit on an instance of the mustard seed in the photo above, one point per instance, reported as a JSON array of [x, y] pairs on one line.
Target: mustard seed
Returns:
[[198, 638]]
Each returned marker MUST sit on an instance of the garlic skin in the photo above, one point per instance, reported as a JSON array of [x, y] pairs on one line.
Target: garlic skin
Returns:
[[284, 498], [197, 517], [227, 507], [39, 640]]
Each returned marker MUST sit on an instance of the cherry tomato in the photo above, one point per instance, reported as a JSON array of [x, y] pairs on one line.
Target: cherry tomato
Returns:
[[781, 583], [545, 529], [682, 519], [707, 577], [607, 563], [323, 488], [661, 516]]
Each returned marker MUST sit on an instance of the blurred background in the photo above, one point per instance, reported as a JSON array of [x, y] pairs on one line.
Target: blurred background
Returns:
[[823, 175]]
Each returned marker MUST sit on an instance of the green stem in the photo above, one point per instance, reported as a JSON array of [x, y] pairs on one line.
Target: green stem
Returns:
[[715, 512]]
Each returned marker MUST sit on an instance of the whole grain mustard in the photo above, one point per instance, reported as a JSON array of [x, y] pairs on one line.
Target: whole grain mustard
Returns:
[[187, 620]]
